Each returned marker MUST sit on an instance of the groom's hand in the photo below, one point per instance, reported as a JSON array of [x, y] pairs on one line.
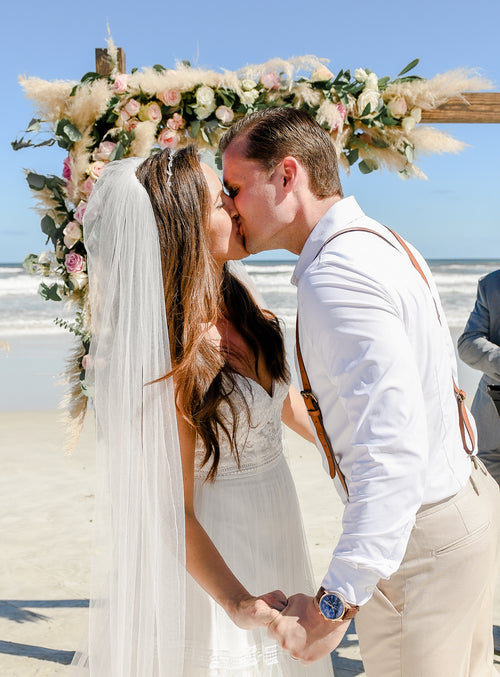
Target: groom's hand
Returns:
[[304, 632]]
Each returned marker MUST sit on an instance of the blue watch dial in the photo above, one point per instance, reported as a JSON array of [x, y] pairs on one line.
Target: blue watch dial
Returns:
[[331, 606]]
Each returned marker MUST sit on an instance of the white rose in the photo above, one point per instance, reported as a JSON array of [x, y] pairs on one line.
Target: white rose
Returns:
[[247, 84], [205, 96], [202, 112], [371, 82], [408, 123], [79, 280], [320, 74], [368, 96], [250, 97], [360, 75], [416, 114], [72, 233]]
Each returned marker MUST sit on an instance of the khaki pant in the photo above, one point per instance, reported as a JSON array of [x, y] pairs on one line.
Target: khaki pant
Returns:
[[433, 617]]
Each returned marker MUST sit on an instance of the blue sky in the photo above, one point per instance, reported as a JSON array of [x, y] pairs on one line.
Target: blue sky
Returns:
[[452, 215]]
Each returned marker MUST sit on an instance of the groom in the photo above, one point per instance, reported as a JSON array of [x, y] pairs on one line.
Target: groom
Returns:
[[417, 561]]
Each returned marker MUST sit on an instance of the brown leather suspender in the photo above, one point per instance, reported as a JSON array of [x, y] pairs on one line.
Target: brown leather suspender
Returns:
[[312, 403]]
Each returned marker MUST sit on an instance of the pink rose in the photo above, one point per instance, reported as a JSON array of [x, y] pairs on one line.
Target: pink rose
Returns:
[[95, 168], [131, 124], [170, 97], [80, 211], [150, 112], [397, 107], [342, 110], [132, 107], [74, 262], [168, 138], [85, 361], [270, 80], [224, 114], [104, 151], [72, 233], [176, 122], [66, 169], [124, 116], [88, 185], [120, 83]]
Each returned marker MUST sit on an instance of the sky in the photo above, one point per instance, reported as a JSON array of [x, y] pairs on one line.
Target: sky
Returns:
[[452, 215]]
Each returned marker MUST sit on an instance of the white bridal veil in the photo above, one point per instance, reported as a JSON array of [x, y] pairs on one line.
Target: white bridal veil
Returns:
[[136, 626]]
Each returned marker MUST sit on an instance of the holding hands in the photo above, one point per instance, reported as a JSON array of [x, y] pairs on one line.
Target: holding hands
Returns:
[[303, 631]]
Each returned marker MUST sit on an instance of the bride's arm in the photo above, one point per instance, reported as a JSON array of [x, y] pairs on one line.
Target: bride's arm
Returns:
[[206, 564], [295, 416]]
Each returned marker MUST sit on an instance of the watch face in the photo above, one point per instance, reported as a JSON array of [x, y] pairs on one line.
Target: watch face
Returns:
[[332, 607]]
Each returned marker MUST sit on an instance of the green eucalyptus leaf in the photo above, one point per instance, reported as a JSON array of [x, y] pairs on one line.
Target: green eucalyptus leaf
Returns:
[[194, 129], [36, 181], [90, 77], [367, 166], [72, 132], [34, 125], [30, 262], [48, 225], [49, 292], [409, 152], [409, 67], [117, 152], [74, 90], [366, 110], [382, 82], [20, 143], [407, 78], [158, 67], [352, 156]]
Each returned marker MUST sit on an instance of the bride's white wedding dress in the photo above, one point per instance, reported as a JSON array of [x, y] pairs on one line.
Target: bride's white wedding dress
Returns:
[[252, 515]]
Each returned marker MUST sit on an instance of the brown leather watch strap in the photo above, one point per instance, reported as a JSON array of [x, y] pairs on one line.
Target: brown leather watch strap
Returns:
[[350, 609]]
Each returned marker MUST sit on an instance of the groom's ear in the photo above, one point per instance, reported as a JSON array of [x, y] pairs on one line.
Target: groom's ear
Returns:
[[289, 173]]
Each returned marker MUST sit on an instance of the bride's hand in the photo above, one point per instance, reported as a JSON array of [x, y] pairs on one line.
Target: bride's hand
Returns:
[[253, 612]]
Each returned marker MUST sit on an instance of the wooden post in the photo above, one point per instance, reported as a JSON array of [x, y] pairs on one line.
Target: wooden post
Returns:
[[477, 107], [103, 64]]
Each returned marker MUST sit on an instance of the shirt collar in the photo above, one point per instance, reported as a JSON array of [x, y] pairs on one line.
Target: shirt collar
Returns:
[[336, 218]]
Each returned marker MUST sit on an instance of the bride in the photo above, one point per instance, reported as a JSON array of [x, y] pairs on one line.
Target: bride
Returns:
[[197, 516]]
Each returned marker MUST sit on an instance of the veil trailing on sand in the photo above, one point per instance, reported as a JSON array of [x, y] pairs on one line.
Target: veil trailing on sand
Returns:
[[136, 626]]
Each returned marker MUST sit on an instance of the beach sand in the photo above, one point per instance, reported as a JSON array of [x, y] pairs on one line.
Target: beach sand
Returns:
[[46, 504]]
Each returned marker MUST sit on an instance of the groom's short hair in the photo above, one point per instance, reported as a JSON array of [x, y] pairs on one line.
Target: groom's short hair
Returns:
[[275, 133]]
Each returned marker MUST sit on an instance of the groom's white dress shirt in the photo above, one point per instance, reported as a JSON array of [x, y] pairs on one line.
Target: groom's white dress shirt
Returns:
[[381, 366]]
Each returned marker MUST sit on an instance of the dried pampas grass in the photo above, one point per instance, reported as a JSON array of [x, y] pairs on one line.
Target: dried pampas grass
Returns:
[[50, 98]]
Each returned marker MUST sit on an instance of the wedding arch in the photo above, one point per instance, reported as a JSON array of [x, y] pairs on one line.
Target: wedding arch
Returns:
[[374, 122]]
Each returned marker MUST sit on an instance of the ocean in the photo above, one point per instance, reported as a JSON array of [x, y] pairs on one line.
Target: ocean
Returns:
[[34, 350], [23, 311]]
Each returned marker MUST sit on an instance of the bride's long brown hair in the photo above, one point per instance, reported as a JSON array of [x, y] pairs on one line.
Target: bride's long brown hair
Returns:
[[194, 297]]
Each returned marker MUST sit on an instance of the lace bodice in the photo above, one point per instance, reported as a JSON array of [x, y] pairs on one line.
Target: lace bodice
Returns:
[[259, 441]]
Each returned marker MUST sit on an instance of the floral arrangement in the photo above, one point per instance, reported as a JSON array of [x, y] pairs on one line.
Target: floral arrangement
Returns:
[[373, 122]]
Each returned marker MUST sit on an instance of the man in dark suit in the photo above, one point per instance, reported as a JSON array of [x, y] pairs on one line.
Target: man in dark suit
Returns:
[[479, 347]]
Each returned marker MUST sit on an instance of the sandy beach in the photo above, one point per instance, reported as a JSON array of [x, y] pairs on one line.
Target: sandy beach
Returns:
[[46, 507]]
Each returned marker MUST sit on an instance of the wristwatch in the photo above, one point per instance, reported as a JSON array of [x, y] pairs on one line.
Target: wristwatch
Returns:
[[334, 607]]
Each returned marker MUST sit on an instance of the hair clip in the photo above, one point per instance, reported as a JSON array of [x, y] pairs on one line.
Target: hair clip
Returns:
[[169, 167]]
